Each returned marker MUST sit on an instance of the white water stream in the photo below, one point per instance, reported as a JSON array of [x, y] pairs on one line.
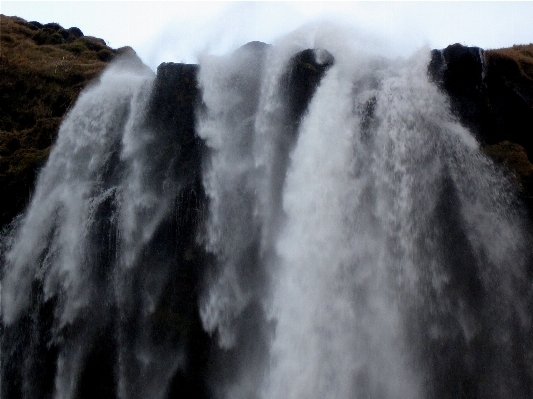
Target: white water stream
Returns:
[[367, 250]]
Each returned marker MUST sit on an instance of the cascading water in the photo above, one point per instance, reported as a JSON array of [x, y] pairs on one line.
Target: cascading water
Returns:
[[281, 223]]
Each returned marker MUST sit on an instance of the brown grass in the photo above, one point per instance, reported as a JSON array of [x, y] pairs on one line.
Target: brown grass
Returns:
[[42, 71], [520, 55]]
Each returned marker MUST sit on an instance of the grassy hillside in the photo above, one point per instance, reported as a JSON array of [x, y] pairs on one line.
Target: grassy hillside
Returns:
[[43, 68], [518, 57]]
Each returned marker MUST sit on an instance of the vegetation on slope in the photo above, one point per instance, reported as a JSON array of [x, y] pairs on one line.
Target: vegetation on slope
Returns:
[[509, 94], [43, 68], [518, 58], [491, 93]]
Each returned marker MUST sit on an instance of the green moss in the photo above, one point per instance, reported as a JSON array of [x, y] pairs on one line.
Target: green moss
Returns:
[[125, 50], [75, 32]]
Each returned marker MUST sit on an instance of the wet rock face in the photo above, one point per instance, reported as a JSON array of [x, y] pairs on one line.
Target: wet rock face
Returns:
[[509, 85], [172, 113], [306, 69], [491, 92], [459, 71]]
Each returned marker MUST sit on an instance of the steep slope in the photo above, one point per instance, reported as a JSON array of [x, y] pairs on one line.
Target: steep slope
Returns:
[[43, 68], [491, 93]]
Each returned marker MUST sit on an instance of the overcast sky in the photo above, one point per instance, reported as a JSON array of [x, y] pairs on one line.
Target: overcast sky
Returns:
[[180, 31]]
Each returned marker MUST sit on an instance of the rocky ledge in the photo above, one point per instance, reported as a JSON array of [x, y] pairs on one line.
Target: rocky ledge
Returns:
[[43, 68]]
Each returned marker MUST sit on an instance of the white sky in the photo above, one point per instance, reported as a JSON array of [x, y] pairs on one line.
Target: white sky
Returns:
[[178, 31]]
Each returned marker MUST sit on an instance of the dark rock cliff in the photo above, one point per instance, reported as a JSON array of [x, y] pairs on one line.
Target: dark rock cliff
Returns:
[[491, 93], [175, 98], [171, 114]]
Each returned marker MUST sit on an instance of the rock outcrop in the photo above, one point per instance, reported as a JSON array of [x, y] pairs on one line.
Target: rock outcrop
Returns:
[[43, 68], [171, 113], [491, 93]]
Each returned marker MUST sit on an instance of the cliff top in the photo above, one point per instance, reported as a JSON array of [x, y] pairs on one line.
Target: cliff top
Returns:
[[43, 68]]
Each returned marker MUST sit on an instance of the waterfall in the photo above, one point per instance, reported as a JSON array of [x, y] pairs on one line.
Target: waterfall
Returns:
[[301, 220]]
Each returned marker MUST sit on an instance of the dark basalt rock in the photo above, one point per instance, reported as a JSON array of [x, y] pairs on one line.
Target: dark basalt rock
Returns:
[[171, 115], [459, 71], [172, 111], [306, 69], [491, 93], [509, 89], [29, 342], [299, 83], [248, 81], [488, 92], [255, 47]]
